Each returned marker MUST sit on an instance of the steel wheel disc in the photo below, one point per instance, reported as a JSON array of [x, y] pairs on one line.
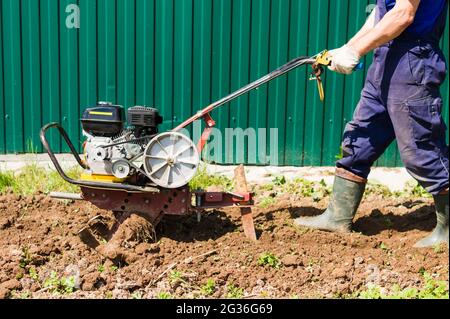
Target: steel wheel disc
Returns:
[[171, 160]]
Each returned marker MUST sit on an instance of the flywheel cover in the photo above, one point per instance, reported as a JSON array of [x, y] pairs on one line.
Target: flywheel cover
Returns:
[[171, 160]]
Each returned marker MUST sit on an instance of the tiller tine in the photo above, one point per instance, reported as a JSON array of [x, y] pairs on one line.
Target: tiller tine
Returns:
[[246, 212]]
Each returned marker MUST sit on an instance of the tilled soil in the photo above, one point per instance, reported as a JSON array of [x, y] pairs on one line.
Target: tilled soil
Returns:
[[39, 240]]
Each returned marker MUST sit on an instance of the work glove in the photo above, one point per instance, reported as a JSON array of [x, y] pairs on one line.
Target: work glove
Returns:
[[343, 60]]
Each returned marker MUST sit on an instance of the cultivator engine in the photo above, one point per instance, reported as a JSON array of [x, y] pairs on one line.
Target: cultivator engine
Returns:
[[115, 153], [132, 168]]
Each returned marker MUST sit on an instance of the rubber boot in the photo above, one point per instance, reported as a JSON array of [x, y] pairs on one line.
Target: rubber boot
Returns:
[[344, 202], [440, 233]]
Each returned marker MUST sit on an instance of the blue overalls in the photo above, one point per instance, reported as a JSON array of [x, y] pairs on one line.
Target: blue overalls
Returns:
[[401, 100]]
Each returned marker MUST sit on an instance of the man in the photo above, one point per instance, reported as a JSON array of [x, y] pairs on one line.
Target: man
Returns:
[[400, 100]]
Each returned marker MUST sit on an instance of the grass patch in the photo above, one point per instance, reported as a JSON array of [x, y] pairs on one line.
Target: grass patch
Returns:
[[373, 188], [431, 289], [33, 179], [202, 180], [298, 186], [6, 181], [266, 202], [318, 190], [412, 189]]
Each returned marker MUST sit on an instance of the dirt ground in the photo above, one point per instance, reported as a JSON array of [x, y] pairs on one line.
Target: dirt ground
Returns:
[[40, 246]]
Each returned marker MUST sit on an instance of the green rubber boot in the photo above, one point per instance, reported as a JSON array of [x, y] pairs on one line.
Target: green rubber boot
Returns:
[[344, 202], [440, 234]]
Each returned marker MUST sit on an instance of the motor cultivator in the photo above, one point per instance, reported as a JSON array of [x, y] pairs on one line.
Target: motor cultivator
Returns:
[[134, 169]]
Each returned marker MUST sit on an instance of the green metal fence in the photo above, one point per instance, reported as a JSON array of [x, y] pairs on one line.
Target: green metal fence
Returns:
[[179, 55]]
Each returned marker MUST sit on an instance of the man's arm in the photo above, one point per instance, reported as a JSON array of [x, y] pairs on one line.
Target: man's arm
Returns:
[[391, 26], [371, 36], [367, 27]]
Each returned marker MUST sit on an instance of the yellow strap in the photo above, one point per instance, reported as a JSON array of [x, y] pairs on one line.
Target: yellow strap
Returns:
[[321, 91], [322, 59], [101, 113]]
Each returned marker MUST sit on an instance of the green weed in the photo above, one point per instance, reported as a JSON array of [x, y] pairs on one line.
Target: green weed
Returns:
[[266, 202], [21, 295], [202, 180], [33, 274], [25, 258], [431, 289], [136, 295], [62, 285], [439, 249], [208, 288], [113, 268], [373, 188], [30, 147], [164, 295], [339, 155], [176, 277], [298, 186], [383, 246], [234, 292], [305, 188], [279, 180], [108, 295], [269, 259], [413, 189]]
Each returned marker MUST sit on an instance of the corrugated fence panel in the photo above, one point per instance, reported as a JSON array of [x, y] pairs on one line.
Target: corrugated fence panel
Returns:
[[126, 53], [12, 73], [2, 105], [182, 100], [88, 54], [240, 67], [32, 117], [220, 66], [259, 65], [164, 61], [335, 85], [202, 53], [69, 71], [145, 48], [297, 84], [179, 56], [50, 79], [278, 53], [106, 55], [313, 127]]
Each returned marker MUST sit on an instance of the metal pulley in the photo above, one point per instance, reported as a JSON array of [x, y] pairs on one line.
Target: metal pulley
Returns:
[[171, 160], [121, 169]]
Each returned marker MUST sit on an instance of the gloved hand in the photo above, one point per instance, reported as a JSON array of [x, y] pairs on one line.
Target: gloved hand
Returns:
[[344, 60]]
